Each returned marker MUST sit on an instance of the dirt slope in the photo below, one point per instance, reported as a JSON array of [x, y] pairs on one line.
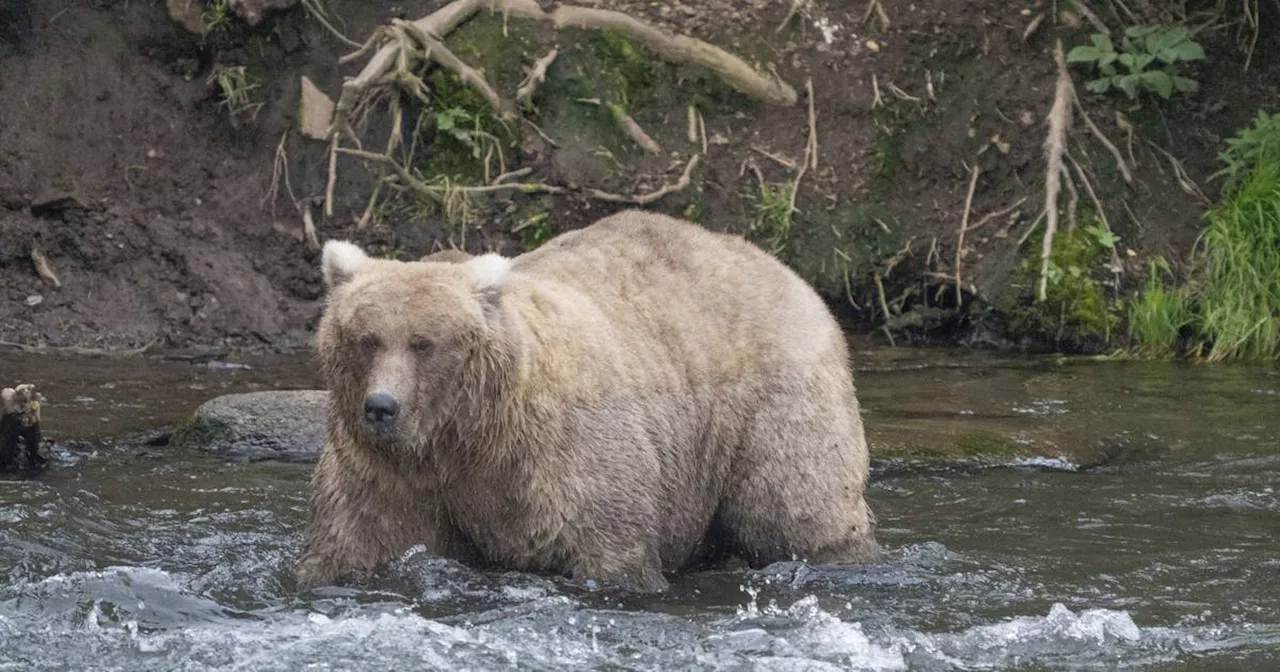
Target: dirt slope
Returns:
[[119, 165]]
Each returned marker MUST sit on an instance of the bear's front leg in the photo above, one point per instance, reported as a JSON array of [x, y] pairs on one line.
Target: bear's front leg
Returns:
[[636, 569], [363, 516]]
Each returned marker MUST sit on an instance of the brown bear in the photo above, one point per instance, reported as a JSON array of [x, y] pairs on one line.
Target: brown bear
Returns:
[[638, 396]]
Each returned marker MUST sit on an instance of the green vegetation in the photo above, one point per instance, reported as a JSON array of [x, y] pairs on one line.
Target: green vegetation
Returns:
[[534, 230], [216, 16], [772, 206], [1158, 315], [1232, 304], [199, 431], [1150, 56], [1076, 307], [1240, 305], [237, 88]]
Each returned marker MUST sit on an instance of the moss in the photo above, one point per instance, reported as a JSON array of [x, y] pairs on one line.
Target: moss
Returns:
[[199, 430], [1076, 309]]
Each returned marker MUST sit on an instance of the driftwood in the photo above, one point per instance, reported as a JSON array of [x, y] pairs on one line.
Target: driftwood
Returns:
[[20, 445]]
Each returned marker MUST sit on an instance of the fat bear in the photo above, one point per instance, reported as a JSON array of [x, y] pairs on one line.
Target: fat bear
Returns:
[[638, 396]]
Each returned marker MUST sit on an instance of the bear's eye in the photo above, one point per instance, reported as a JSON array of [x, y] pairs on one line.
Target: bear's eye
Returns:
[[422, 346], [369, 342]]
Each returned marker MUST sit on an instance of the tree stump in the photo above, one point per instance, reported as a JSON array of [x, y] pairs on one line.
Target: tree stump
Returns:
[[20, 444]]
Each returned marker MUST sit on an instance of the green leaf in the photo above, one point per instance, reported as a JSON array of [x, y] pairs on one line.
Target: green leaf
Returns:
[[1140, 31], [1103, 43], [1128, 84], [1083, 54], [1107, 60], [1184, 84], [1101, 85], [1141, 61], [1174, 35], [1108, 70], [1127, 61], [1184, 51], [1161, 82]]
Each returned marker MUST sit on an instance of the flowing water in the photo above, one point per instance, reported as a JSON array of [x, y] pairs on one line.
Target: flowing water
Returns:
[[1163, 555]]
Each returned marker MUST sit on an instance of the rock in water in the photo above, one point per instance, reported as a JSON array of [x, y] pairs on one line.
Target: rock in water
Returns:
[[20, 444], [275, 425]]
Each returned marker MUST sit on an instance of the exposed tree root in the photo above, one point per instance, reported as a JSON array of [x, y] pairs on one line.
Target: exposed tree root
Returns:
[[645, 199], [964, 226], [1055, 145], [537, 75], [43, 268], [399, 48]]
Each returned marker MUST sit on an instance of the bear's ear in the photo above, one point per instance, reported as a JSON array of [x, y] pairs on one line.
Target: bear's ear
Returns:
[[341, 261], [489, 271]]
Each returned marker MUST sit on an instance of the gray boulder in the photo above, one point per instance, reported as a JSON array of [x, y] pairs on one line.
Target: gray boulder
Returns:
[[275, 425]]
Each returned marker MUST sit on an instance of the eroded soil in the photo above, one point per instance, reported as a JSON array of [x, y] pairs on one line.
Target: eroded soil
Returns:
[[119, 164]]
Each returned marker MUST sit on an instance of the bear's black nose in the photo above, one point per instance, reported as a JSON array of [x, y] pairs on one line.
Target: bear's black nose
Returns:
[[380, 407]]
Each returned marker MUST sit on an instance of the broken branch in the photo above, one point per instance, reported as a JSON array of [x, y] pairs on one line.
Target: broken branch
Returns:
[[964, 224], [537, 76], [645, 199]]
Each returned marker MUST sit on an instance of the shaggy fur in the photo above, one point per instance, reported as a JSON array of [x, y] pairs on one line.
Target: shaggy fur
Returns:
[[637, 396]]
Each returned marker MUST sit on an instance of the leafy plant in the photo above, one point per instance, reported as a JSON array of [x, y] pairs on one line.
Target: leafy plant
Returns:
[[535, 230], [453, 122], [215, 16], [1260, 141], [772, 204], [1158, 316], [1149, 55], [237, 86], [1240, 306]]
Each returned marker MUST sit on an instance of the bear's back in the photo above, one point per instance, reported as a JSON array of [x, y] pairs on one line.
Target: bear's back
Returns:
[[716, 298]]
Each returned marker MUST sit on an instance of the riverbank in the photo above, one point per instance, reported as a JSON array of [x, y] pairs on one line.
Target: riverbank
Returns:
[[142, 213]]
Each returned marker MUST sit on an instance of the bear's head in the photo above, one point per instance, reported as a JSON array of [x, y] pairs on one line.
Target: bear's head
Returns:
[[402, 343]]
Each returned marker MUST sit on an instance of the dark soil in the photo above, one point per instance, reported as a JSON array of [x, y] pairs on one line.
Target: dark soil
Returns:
[[119, 164]]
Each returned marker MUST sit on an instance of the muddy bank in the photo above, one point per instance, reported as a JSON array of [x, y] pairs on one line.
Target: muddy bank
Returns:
[[152, 204]]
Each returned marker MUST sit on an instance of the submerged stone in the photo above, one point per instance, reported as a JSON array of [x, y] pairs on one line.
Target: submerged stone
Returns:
[[279, 425]]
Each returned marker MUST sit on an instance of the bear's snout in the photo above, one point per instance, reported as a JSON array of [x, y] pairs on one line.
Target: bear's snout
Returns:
[[380, 409]]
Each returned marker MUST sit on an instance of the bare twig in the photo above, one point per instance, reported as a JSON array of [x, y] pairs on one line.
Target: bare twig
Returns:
[[964, 225], [877, 100], [692, 125], [1055, 143], [780, 160]]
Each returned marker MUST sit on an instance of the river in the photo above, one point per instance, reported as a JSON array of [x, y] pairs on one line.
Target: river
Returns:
[[1143, 532]]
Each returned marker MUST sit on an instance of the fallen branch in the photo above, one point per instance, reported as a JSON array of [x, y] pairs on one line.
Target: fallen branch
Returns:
[[964, 225], [1055, 143], [645, 199], [439, 192]]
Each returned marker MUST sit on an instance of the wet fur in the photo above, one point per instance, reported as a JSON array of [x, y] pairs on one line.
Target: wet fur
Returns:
[[638, 396]]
